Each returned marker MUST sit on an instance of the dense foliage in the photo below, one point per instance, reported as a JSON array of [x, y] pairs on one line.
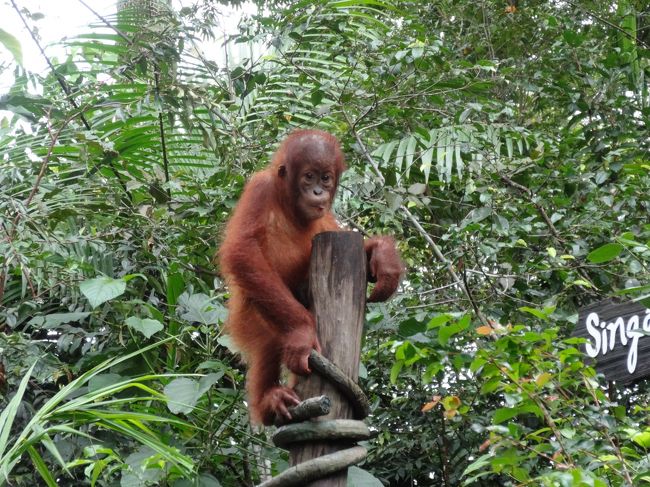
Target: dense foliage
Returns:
[[505, 145]]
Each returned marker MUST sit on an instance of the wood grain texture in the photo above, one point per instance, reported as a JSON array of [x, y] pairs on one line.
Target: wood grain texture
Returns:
[[337, 290]]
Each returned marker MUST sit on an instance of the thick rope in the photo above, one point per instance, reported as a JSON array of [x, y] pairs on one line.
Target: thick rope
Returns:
[[342, 382], [336, 429]]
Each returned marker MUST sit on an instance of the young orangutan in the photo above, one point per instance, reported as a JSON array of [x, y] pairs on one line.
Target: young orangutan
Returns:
[[265, 259]]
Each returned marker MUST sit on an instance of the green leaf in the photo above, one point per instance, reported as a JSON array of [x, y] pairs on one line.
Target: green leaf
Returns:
[[573, 38], [417, 188], [395, 370], [9, 413], [145, 326], [410, 153], [55, 319], [12, 45], [491, 385], [317, 97], [175, 286], [143, 471], [204, 480], [476, 215], [226, 341], [642, 439], [535, 312], [358, 477], [504, 414], [425, 167], [102, 289], [54, 451], [605, 253], [632, 290], [439, 320], [41, 466], [388, 150], [200, 308], [103, 380], [542, 379], [568, 432], [410, 327], [182, 395], [581, 283], [478, 464], [446, 332], [401, 149], [207, 381]]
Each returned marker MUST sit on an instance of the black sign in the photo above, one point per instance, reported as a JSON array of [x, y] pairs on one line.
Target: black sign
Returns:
[[618, 339]]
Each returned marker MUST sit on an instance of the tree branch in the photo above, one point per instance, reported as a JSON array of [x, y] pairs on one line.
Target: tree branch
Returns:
[[163, 143], [66, 89], [436, 250], [608, 23], [542, 212]]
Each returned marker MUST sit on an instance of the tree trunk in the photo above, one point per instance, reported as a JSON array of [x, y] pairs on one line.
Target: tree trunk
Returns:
[[337, 290]]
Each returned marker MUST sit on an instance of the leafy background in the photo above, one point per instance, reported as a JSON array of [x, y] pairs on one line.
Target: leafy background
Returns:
[[504, 144]]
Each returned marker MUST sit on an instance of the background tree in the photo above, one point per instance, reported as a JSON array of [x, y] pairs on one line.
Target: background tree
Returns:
[[504, 144]]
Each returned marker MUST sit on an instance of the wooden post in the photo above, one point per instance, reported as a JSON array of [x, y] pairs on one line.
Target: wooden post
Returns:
[[337, 289]]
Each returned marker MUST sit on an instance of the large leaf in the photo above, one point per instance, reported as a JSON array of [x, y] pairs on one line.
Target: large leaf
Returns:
[[445, 332], [7, 418], [183, 393], [200, 308], [102, 289], [605, 253], [145, 326], [55, 319], [12, 45], [357, 477]]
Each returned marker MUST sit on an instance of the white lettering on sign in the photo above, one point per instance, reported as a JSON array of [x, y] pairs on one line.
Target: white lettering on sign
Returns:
[[604, 336]]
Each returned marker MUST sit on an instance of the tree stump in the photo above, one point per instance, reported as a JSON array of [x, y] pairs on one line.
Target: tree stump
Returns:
[[337, 292]]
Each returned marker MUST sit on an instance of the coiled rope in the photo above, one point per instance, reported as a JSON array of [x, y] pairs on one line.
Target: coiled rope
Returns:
[[302, 429]]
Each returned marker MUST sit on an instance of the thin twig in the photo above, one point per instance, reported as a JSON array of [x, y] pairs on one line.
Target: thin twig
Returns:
[[66, 89], [108, 24], [11, 233], [163, 142], [59, 77], [436, 250], [537, 206], [626, 472], [608, 23], [542, 212], [54, 137]]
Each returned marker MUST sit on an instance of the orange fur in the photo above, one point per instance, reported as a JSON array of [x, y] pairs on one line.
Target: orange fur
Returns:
[[265, 259]]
